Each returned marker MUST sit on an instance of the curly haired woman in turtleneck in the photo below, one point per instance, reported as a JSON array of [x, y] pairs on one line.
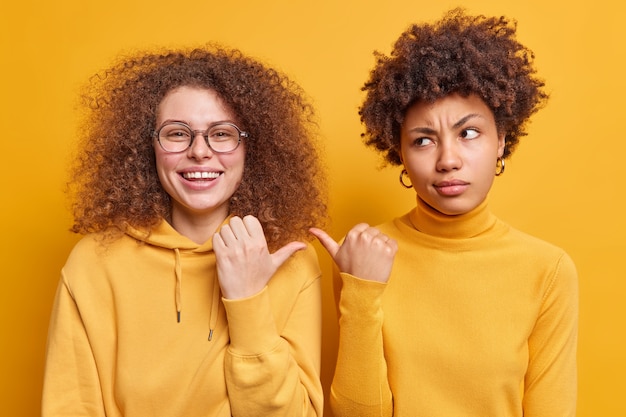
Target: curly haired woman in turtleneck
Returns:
[[193, 292], [447, 310]]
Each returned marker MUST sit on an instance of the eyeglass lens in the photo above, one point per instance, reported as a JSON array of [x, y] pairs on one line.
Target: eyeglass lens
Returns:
[[177, 137]]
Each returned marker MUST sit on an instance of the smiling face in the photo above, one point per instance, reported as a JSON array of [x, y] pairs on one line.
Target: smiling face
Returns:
[[199, 181], [449, 149]]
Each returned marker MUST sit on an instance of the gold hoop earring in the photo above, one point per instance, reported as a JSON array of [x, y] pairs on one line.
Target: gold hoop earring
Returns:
[[499, 166], [402, 174]]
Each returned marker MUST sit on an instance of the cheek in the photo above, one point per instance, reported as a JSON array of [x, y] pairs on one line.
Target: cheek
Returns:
[[416, 167], [234, 162], [486, 173], [160, 163], [165, 165]]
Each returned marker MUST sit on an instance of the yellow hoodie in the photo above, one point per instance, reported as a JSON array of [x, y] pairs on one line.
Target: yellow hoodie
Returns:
[[139, 329], [477, 320]]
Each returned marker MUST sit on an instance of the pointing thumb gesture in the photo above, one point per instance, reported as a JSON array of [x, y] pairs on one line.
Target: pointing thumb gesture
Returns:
[[244, 264], [365, 253], [328, 242], [281, 255]]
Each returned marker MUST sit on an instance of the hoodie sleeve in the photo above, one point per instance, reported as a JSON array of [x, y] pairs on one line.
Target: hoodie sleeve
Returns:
[[272, 366], [71, 383]]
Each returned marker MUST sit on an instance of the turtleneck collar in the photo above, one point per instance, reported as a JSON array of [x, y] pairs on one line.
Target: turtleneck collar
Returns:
[[432, 222]]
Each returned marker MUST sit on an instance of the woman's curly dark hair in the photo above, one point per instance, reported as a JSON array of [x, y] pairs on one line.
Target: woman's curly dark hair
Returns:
[[459, 54], [114, 182]]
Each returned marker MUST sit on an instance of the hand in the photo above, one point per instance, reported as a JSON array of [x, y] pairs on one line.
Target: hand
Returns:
[[365, 253], [244, 264]]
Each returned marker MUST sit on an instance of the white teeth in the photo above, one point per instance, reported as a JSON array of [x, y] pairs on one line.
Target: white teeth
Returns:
[[200, 175]]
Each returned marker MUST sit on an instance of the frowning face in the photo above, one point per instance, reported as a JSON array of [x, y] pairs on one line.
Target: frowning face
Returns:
[[449, 149]]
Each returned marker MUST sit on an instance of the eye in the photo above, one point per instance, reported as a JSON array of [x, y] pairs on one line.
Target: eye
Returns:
[[469, 133], [175, 133], [223, 133], [423, 141]]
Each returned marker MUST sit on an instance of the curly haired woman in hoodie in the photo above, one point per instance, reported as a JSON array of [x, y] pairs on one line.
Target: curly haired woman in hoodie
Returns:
[[192, 292]]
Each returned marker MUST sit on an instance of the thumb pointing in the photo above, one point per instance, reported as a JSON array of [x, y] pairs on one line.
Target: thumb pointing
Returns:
[[328, 242], [281, 255]]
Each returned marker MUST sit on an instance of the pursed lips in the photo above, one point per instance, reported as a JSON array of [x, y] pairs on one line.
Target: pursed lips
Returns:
[[450, 183], [451, 187]]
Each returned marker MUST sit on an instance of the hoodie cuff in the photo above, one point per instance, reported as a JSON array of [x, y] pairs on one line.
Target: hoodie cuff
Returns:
[[251, 324]]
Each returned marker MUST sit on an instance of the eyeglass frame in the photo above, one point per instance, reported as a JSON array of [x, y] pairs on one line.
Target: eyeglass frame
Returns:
[[204, 133]]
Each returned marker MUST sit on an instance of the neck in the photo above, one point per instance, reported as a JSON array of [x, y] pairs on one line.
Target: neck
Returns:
[[197, 228]]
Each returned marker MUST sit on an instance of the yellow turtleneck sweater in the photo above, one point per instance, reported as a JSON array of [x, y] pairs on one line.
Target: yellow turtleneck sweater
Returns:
[[116, 347], [477, 320]]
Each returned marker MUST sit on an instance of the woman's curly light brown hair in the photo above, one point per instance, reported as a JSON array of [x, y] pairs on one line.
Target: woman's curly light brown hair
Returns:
[[114, 182], [459, 54]]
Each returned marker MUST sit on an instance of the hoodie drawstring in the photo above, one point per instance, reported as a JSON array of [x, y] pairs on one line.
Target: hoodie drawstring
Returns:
[[215, 305], [215, 302], [179, 279]]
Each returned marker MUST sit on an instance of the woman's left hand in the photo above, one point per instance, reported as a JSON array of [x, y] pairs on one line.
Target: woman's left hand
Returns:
[[244, 264]]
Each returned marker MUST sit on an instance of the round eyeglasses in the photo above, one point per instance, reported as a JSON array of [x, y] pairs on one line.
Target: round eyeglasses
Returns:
[[221, 137]]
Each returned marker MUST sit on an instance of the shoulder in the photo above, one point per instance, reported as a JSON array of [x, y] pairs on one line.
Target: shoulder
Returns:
[[394, 223], [97, 246], [532, 249], [94, 254], [397, 227], [532, 243], [86, 250], [305, 258], [301, 270]]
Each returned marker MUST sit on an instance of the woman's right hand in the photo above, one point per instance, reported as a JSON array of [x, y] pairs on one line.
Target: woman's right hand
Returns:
[[365, 253], [244, 263]]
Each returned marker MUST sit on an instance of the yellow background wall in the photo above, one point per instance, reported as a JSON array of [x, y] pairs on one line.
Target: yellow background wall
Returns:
[[565, 184]]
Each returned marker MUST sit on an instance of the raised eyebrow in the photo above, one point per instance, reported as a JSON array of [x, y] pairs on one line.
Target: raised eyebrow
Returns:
[[423, 130], [458, 124], [465, 119]]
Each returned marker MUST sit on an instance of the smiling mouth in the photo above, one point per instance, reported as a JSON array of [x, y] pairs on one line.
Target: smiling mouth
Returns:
[[200, 175]]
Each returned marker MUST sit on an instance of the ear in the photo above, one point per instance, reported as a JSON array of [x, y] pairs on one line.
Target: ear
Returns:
[[501, 144]]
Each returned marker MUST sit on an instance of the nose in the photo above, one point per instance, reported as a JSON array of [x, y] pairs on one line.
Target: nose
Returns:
[[449, 158], [199, 148]]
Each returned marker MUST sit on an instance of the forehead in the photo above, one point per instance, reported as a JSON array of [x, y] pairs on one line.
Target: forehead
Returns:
[[186, 92], [448, 109], [193, 105]]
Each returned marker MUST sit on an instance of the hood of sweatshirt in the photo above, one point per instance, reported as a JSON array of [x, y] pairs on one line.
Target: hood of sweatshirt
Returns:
[[166, 237]]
